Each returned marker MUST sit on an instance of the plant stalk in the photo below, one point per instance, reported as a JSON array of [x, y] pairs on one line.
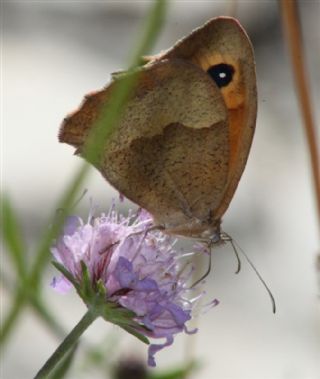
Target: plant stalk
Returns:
[[67, 344], [292, 25]]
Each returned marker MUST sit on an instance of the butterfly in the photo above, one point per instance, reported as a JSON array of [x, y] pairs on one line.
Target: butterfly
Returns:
[[183, 139]]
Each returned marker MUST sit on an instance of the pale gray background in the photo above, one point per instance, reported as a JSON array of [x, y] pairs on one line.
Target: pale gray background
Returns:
[[55, 52]]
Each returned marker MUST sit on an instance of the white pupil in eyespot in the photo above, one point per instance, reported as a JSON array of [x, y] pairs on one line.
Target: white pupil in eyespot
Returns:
[[221, 73]]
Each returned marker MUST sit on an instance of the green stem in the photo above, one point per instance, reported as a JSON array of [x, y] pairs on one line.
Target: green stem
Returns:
[[67, 344]]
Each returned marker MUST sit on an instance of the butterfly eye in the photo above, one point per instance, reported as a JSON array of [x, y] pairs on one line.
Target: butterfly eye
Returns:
[[221, 73]]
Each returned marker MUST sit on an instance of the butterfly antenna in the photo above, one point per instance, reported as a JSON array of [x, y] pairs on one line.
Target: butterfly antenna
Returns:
[[226, 237], [233, 243], [208, 269], [237, 256]]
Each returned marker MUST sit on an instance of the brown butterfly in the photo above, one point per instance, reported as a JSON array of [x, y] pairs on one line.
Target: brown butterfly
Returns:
[[184, 137]]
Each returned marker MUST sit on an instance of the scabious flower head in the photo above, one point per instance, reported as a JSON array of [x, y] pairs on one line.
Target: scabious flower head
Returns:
[[137, 265]]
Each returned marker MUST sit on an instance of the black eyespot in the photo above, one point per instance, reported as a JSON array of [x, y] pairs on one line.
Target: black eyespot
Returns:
[[222, 74]]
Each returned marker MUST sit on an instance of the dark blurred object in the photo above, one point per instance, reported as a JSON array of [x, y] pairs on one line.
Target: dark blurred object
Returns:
[[133, 368], [130, 368]]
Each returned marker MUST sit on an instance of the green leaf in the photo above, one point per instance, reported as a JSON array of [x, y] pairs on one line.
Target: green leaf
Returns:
[[101, 289], [109, 311], [12, 236], [86, 287], [122, 317], [122, 314], [135, 333]]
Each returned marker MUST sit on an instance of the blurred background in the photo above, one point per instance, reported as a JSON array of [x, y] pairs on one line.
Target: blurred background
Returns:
[[53, 53]]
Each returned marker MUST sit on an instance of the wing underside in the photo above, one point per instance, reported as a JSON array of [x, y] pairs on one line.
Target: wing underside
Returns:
[[170, 151]]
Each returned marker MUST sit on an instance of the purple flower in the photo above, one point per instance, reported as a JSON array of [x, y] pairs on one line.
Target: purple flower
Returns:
[[138, 267]]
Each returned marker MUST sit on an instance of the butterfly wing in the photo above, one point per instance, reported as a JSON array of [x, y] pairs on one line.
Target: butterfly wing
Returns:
[[222, 41], [170, 150]]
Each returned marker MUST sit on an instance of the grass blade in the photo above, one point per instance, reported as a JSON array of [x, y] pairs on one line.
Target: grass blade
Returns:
[[109, 116], [12, 236], [111, 113], [65, 204]]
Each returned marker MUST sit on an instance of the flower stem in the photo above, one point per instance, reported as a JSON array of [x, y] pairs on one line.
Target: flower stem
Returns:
[[67, 344]]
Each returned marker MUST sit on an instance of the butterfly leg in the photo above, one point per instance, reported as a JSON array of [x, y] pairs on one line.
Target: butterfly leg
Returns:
[[208, 268], [145, 232]]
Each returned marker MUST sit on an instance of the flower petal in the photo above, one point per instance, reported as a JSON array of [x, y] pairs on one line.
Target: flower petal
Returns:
[[154, 348]]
